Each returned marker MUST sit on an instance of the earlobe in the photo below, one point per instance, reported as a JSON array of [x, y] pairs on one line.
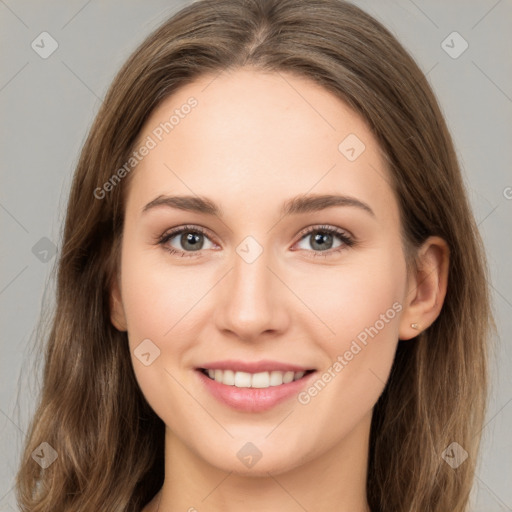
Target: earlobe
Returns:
[[117, 315], [426, 288]]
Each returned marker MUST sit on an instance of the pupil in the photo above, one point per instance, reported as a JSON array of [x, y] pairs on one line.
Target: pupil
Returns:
[[322, 239], [193, 239]]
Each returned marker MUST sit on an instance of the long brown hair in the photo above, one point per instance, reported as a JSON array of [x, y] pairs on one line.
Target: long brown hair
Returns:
[[109, 442]]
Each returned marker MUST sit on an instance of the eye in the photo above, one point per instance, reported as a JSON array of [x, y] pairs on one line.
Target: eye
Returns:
[[323, 240], [191, 238]]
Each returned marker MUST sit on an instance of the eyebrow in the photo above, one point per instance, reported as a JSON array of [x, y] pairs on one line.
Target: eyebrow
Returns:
[[295, 205]]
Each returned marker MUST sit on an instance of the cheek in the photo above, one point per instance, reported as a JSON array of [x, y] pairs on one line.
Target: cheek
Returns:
[[164, 305], [361, 305], [361, 294], [158, 304], [158, 298]]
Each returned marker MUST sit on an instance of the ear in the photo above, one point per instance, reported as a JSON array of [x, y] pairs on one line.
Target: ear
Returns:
[[426, 288], [117, 315]]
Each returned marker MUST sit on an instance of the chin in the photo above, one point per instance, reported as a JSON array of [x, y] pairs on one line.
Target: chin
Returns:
[[255, 459]]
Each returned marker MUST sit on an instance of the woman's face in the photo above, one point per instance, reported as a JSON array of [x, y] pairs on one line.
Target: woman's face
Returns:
[[285, 286]]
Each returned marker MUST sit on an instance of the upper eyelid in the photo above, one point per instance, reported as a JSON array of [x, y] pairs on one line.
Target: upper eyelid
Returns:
[[325, 227], [171, 233]]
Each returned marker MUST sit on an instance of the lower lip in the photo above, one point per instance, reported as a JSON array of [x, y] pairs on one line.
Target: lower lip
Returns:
[[253, 399]]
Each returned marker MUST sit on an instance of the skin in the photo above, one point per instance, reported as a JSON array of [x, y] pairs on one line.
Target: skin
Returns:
[[253, 141]]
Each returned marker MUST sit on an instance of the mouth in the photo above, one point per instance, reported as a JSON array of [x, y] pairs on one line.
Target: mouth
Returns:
[[253, 387], [259, 380]]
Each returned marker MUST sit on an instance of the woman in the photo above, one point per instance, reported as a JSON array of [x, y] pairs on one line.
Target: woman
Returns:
[[272, 292]]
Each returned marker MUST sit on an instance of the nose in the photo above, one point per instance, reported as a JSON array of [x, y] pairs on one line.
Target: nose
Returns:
[[252, 303]]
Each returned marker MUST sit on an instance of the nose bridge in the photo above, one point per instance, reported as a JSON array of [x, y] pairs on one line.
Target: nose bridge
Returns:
[[250, 305]]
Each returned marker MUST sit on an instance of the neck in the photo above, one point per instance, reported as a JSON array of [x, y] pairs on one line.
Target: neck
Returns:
[[334, 480]]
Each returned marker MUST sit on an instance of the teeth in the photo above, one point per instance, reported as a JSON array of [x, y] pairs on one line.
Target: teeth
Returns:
[[276, 378], [253, 380], [287, 377], [260, 380], [242, 379], [227, 377]]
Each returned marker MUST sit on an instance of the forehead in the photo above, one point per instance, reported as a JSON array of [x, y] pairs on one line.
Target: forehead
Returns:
[[259, 136]]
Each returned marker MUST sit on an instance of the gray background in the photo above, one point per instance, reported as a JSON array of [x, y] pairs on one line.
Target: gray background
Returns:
[[47, 106]]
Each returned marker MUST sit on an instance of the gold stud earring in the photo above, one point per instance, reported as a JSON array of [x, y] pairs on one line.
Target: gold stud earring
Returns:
[[414, 326]]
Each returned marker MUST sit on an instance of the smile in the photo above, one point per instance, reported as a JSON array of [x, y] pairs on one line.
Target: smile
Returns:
[[253, 380], [253, 387]]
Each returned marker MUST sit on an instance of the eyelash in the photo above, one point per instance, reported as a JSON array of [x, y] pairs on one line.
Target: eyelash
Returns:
[[347, 240]]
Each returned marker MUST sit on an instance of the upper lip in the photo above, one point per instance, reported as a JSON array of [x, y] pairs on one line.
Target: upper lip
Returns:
[[254, 366]]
